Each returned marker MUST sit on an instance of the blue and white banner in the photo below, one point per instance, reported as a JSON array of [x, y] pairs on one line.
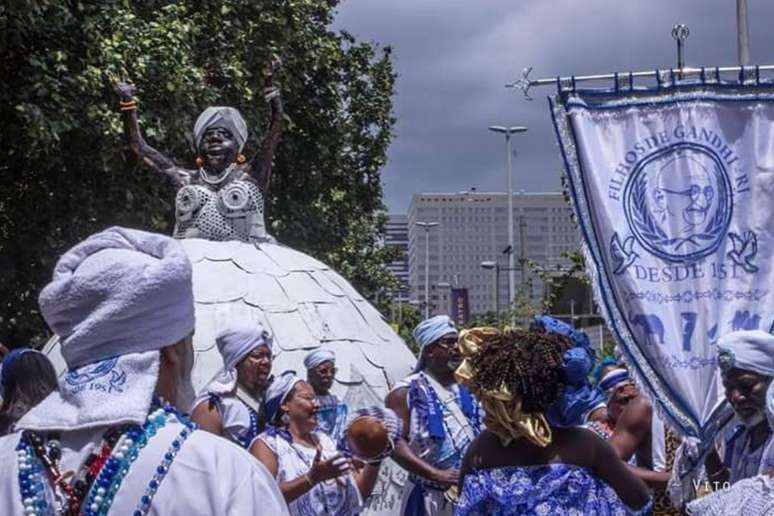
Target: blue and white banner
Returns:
[[673, 189]]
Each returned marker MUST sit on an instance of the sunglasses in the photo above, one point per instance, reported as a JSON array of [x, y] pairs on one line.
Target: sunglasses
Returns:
[[447, 343]]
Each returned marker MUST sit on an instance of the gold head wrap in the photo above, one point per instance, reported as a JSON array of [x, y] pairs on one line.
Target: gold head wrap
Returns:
[[504, 416]]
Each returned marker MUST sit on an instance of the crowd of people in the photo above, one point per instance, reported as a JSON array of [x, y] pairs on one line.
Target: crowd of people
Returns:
[[491, 421]]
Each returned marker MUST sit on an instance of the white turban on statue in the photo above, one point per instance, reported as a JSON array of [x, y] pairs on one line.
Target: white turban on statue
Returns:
[[751, 350], [319, 356], [221, 116], [115, 300]]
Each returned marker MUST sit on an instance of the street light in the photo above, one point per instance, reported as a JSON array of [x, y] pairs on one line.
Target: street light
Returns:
[[427, 226], [507, 131], [489, 264]]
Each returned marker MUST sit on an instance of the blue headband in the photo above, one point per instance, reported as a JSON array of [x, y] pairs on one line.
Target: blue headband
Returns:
[[7, 363], [613, 379]]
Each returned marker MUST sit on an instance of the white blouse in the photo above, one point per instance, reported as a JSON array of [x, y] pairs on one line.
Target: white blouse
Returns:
[[336, 497]]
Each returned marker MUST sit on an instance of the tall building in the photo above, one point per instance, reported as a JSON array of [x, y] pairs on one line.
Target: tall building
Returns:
[[396, 235], [473, 228]]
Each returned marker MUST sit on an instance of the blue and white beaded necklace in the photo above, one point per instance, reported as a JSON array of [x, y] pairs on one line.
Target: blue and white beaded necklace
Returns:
[[44, 490]]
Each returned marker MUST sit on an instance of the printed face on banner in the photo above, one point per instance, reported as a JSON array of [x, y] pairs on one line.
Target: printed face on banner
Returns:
[[678, 202], [663, 192]]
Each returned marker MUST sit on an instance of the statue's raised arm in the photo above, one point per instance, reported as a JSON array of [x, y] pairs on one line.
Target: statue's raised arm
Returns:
[[152, 158], [261, 164]]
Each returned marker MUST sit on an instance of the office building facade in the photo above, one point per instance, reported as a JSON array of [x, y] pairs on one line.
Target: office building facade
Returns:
[[396, 235], [473, 228]]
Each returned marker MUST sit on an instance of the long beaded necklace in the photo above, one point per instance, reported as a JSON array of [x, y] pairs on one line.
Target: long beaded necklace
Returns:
[[90, 491], [248, 437]]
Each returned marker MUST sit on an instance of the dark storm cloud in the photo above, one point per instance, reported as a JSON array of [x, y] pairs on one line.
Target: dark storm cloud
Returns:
[[453, 58]]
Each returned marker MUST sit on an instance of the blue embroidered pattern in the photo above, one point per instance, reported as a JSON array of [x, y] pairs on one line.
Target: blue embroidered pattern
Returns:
[[539, 490]]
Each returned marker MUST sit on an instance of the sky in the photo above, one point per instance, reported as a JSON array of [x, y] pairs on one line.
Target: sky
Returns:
[[454, 57]]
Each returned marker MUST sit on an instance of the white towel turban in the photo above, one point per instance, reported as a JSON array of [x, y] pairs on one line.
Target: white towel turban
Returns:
[[221, 116], [118, 292], [318, 357]]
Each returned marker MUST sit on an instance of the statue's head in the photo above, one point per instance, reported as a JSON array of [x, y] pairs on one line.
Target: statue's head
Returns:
[[220, 134]]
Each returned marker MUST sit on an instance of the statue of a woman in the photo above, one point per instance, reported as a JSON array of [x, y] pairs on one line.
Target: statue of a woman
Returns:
[[223, 198], [252, 278]]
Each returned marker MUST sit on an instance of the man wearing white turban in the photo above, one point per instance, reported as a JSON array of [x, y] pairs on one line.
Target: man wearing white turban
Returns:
[[113, 439], [440, 420], [320, 373], [746, 360], [231, 405]]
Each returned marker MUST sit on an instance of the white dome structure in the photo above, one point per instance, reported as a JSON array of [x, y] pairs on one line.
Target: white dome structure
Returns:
[[306, 305], [241, 274]]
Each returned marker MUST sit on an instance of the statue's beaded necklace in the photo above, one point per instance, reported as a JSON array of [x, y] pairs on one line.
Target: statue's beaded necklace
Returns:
[[91, 490]]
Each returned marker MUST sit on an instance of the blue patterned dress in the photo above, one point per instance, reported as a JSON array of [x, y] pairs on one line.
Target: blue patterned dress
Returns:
[[550, 489]]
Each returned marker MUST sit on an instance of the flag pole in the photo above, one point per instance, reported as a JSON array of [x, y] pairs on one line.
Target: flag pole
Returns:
[[742, 33]]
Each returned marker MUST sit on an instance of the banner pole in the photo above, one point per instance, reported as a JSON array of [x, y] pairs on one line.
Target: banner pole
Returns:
[[525, 83], [742, 33], [680, 33]]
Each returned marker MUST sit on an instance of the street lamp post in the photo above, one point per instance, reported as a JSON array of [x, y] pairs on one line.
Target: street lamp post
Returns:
[[427, 226], [496, 266], [507, 131]]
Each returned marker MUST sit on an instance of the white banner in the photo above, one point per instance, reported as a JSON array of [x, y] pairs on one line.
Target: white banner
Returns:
[[673, 189]]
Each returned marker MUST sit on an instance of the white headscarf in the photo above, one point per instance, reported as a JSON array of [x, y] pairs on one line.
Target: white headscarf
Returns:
[[278, 391], [429, 331], [234, 344], [751, 350], [221, 116], [614, 379], [115, 300], [318, 357]]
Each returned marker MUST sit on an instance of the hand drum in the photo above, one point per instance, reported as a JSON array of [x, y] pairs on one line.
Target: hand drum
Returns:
[[368, 438]]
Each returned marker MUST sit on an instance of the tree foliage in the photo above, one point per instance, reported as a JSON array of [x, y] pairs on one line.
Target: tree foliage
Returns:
[[65, 171]]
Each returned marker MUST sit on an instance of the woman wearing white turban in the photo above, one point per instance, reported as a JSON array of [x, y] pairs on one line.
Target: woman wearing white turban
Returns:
[[315, 478], [232, 403]]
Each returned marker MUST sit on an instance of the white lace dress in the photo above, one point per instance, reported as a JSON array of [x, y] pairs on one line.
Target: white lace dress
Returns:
[[336, 497]]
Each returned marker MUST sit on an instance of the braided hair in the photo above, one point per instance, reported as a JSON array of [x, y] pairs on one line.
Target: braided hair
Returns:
[[528, 363]]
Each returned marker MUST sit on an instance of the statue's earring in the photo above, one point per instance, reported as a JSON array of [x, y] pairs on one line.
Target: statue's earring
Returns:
[[241, 159], [199, 162]]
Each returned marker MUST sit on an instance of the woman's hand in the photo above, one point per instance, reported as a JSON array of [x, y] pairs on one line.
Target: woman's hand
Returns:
[[334, 467]]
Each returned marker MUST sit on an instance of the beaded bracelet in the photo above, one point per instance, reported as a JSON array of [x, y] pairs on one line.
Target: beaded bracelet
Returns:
[[128, 105]]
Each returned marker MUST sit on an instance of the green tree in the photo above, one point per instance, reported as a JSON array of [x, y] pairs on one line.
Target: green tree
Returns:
[[64, 169]]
